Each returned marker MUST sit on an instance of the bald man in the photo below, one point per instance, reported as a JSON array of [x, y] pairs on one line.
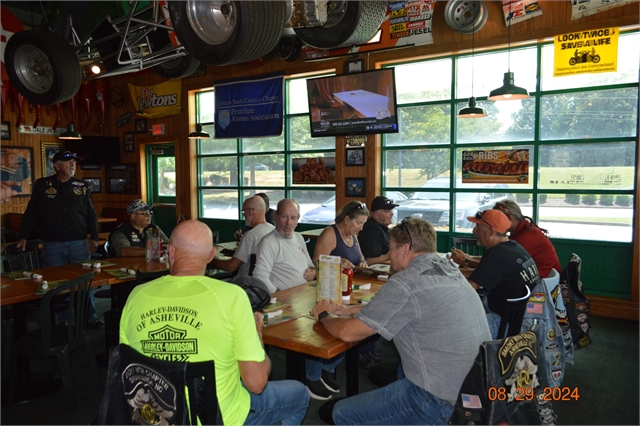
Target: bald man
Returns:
[[213, 320], [253, 209]]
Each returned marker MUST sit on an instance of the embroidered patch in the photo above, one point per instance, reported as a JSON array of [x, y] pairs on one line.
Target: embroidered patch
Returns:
[[535, 308], [551, 334], [582, 317]]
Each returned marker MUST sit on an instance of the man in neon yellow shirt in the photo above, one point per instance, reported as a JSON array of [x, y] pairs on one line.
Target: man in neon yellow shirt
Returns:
[[186, 316]]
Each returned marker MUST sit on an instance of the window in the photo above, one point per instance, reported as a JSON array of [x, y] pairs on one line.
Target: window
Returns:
[[581, 132], [231, 170]]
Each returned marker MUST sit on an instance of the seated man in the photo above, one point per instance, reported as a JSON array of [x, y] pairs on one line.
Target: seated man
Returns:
[[435, 320], [505, 268], [253, 210], [129, 238], [282, 259], [374, 237], [215, 318]]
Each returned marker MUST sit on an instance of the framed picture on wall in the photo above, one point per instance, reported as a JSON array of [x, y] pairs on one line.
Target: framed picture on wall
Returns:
[[5, 130], [129, 142], [48, 150], [94, 184], [141, 125], [121, 179], [17, 166], [355, 187], [355, 157], [90, 166]]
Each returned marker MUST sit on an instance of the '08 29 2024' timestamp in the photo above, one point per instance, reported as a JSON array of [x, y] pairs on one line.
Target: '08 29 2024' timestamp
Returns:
[[528, 393]]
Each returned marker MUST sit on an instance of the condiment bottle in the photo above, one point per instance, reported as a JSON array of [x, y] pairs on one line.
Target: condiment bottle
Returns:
[[347, 284]]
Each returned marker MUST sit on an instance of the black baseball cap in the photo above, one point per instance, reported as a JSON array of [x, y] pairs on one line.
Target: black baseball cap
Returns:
[[382, 203], [65, 156]]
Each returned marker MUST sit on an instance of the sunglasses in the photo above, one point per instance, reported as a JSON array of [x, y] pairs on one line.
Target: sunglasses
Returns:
[[405, 228], [479, 216], [506, 212], [359, 206]]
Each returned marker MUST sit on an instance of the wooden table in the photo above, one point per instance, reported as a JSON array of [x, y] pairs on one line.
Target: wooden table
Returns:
[[312, 233], [304, 336], [107, 219]]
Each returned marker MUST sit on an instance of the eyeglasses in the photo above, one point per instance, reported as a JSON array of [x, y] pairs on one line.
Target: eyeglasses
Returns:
[[479, 216], [405, 228], [248, 208]]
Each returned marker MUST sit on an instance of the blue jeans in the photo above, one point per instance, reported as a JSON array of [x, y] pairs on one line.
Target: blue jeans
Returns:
[[399, 403], [315, 365], [284, 402], [59, 253]]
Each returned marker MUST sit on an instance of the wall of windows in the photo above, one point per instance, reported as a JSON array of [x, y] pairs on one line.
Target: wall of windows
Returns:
[[230, 170], [581, 132]]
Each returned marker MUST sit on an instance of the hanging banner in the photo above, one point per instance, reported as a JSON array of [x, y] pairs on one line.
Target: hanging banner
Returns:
[[496, 166], [582, 8], [408, 23], [584, 52], [520, 10], [249, 108], [160, 100]]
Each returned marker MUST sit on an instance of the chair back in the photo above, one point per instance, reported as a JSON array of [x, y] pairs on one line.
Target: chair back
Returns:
[[256, 289], [9, 235], [30, 255], [77, 291], [146, 390], [513, 315], [12, 263], [468, 245]]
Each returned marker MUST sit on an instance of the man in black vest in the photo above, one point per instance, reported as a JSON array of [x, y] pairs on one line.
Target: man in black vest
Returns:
[[129, 239]]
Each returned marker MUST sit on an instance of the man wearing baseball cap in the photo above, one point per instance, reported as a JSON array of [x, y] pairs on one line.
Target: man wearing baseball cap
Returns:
[[505, 267], [129, 239], [62, 212], [374, 237]]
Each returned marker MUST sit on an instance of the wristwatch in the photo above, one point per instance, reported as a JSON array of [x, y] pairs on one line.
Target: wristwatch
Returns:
[[466, 262], [322, 316]]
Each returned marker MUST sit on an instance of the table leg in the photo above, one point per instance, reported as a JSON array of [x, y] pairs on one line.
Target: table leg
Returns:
[[295, 366], [352, 369]]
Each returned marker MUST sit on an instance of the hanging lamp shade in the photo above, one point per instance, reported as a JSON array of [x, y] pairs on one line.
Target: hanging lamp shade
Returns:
[[508, 91], [70, 134], [199, 134], [471, 110]]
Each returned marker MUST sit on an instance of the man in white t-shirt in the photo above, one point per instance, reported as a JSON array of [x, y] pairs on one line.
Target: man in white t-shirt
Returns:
[[253, 210], [282, 259]]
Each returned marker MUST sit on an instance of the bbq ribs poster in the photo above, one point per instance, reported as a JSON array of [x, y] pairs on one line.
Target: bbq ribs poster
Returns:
[[496, 166]]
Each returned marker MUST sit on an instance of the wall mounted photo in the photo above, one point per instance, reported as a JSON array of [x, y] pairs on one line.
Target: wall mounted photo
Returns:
[[121, 179], [94, 184], [5, 130], [355, 187], [355, 157], [141, 125], [129, 142], [90, 167], [47, 151], [314, 170], [17, 166]]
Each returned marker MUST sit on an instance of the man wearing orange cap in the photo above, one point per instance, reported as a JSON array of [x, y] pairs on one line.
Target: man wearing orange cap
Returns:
[[505, 267]]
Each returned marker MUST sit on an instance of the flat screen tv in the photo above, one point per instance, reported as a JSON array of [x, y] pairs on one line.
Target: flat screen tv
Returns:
[[101, 150], [353, 104]]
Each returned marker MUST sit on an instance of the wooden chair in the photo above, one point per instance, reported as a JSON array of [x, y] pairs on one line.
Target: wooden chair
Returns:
[[58, 341], [467, 245], [186, 391]]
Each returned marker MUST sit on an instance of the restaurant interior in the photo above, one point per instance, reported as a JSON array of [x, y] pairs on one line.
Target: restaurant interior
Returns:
[[174, 161]]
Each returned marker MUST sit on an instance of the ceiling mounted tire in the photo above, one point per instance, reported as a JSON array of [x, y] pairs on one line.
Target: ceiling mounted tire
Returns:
[[351, 22], [180, 67], [42, 66], [466, 16], [288, 48], [228, 32]]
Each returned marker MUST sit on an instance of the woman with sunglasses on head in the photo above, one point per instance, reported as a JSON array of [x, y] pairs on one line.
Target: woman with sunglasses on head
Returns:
[[340, 239]]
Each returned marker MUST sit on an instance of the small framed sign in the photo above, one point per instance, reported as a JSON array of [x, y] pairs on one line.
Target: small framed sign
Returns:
[[94, 184], [6, 130], [141, 125], [356, 65], [355, 187], [355, 157], [129, 145]]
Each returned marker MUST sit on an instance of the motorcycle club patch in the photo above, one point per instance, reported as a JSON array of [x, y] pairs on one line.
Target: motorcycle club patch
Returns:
[[78, 187], [582, 317], [151, 395], [551, 334], [51, 192], [516, 345], [134, 237], [581, 306]]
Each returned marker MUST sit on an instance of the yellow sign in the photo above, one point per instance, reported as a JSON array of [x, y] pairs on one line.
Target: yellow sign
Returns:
[[160, 100], [589, 51]]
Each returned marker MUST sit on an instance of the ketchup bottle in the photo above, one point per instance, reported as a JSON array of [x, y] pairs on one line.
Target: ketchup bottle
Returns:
[[347, 284]]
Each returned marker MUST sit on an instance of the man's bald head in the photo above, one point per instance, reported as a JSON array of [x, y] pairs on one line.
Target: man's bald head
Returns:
[[191, 248], [256, 203]]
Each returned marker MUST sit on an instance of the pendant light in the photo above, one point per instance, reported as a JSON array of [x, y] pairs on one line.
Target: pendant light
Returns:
[[508, 91], [70, 134], [199, 134], [471, 110]]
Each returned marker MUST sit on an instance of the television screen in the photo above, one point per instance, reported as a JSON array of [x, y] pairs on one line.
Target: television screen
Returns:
[[102, 150], [353, 104]]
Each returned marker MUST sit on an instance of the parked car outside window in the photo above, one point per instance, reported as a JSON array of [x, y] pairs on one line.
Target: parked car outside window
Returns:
[[326, 213]]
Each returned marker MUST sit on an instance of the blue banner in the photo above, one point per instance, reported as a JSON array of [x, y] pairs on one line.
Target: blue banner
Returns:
[[249, 108]]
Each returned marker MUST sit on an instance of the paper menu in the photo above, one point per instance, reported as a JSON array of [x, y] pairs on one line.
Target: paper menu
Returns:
[[329, 278]]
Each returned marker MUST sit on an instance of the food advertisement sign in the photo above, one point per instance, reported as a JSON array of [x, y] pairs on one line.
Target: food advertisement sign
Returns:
[[314, 171], [496, 166]]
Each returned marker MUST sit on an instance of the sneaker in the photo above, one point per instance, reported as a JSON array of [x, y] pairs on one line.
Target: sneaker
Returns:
[[317, 390], [95, 323], [329, 380], [368, 360]]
